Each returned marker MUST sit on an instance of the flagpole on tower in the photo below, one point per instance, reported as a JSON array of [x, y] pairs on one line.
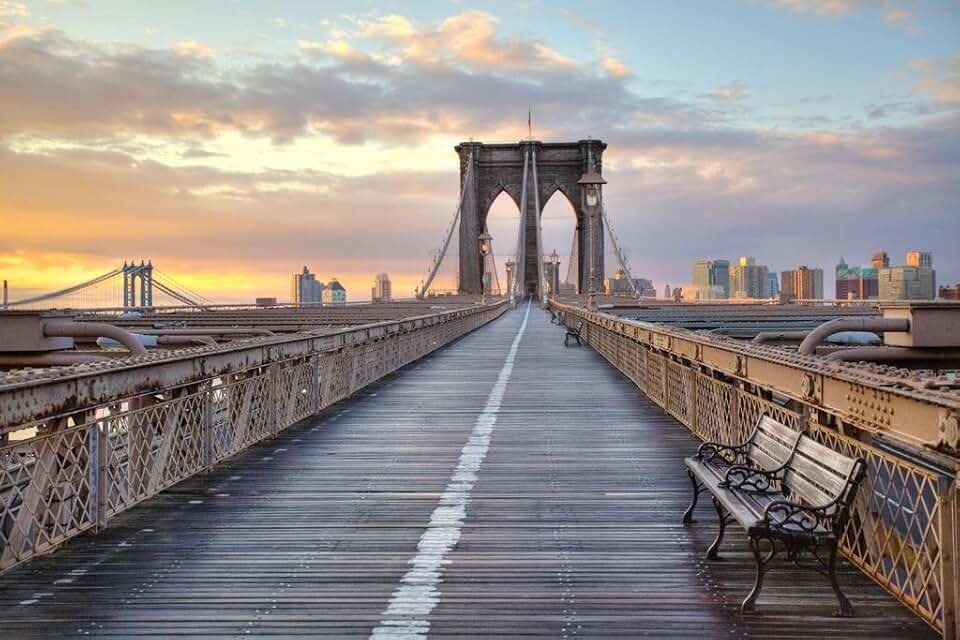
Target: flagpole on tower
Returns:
[[529, 124]]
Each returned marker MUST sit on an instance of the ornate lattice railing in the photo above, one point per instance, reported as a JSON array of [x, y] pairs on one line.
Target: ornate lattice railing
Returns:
[[904, 530], [86, 443]]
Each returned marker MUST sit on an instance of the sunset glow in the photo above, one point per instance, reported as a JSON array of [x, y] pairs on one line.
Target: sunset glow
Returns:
[[232, 152]]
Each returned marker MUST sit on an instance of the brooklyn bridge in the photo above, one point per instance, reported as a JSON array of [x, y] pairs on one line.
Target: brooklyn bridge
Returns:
[[520, 464]]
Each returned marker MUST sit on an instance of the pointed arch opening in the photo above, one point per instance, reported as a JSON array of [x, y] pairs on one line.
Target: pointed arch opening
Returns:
[[503, 224], [558, 224]]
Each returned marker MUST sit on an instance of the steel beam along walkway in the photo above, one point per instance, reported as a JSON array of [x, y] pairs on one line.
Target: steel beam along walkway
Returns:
[[570, 529]]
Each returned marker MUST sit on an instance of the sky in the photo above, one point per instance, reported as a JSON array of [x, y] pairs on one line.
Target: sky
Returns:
[[234, 142]]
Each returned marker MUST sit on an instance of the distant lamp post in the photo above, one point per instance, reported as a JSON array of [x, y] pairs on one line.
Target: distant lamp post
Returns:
[[554, 274], [485, 241]]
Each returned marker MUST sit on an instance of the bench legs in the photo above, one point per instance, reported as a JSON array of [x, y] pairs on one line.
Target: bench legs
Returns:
[[697, 488], [751, 598], [724, 518], [846, 609]]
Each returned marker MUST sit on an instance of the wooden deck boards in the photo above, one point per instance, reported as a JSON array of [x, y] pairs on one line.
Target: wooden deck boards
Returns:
[[572, 529]]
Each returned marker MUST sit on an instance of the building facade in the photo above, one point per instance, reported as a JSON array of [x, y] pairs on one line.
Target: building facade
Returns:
[[858, 283], [773, 285], [949, 293], [305, 289], [880, 260], [749, 279], [708, 274], [620, 286], [915, 280], [382, 288], [916, 258], [802, 283], [334, 293]]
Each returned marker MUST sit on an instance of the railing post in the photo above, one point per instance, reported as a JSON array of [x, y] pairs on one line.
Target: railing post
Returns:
[[274, 400], [207, 433], [317, 396], [949, 539], [99, 461]]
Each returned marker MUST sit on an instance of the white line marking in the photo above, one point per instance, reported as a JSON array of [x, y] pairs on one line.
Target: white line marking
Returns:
[[418, 593]]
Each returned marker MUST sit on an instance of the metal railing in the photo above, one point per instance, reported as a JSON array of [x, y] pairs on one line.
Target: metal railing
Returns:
[[903, 532], [81, 444]]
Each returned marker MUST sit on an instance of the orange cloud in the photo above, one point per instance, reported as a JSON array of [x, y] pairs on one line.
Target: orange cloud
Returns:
[[193, 49], [468, 38]]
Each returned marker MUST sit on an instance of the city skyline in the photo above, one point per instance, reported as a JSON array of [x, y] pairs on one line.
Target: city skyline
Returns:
[[232, 156]]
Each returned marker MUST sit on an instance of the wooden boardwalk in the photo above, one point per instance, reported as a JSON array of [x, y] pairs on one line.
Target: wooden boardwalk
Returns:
[[570, 527]]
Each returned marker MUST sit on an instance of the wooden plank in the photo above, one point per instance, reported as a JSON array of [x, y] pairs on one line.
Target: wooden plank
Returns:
[[572, 527]]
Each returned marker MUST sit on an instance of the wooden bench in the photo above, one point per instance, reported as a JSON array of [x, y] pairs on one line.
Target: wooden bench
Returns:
[[573, 332], [786, 490]]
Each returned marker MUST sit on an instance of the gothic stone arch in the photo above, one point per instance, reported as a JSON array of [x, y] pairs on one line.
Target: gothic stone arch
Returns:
[[499, 167]]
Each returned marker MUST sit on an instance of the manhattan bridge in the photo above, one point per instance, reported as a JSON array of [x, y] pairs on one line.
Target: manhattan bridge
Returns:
[[512, 459]]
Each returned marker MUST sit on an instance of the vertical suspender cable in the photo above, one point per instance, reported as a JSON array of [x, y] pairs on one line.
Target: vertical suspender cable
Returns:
[[519, 267], [536, 215]]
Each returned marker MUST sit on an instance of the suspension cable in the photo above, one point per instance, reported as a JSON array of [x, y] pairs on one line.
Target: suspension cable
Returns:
[[616, 249], [467, 177], [67, 291]]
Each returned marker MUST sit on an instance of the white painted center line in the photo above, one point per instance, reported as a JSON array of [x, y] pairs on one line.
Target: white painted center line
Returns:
[[418, 593]]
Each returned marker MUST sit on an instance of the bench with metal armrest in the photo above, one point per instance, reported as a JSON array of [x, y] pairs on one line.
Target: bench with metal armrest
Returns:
[[573, 332], [789, 493]]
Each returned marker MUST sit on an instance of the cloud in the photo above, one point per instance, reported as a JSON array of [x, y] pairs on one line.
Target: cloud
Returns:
[[582, 21], [449, 78], [822, 7], [193, 49], [614, 67], [939, 79], [13, 9], [78, 121], [469, 38], [339, 49], [735, 92]]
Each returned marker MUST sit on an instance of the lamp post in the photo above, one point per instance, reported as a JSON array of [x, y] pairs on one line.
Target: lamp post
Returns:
[[485, 241], [554, 274], [590, 185]]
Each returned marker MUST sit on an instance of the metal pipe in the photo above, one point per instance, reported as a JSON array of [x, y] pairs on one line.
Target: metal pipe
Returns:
[[876, 354], [814, 338], [202, 340], [773, 336], [52, 359], [206, 331], [94, 330]]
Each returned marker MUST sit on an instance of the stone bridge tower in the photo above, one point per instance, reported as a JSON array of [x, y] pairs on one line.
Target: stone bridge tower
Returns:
[[560, 167]]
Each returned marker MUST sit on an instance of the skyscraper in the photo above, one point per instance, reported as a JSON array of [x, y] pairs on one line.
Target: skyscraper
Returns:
[[917, 258], [802, 283], [857, 283], [880, 260], [304, 288], [382, 288], [708, 274], [915, 280], [749, 279], [334, 293], [773, 285]]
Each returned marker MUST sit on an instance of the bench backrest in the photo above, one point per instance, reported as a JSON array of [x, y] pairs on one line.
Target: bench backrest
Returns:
[[771, 444], [818, 475]]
